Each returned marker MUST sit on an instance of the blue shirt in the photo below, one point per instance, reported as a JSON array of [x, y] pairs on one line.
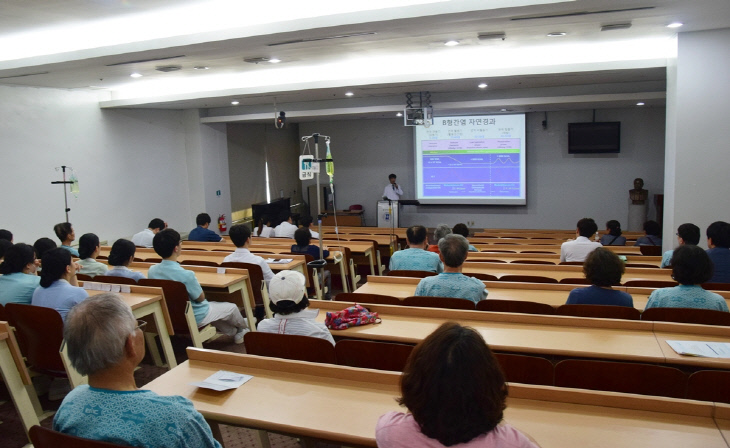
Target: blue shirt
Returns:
[[133, 418], [648, 240], [60, 296], [171, 270], [452, 284], [17, 287], [91, 267], [610, 240], [594, 295], [415, 260], [667, 258], [720, 257], [123, 271], [203, 234], [686, 296], [310, 250], [73, 251]]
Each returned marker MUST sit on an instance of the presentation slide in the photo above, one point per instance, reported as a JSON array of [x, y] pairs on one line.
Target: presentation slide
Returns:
[[471, 160]]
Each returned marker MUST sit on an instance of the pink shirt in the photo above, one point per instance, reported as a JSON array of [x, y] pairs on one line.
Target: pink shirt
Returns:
[[399, 430]]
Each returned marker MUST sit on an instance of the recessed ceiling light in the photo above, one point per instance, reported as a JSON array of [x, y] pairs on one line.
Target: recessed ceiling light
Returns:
[[349, 94], [482, 85], [274, 60], [640, 104], [452, 43], [675, 25], [135, 75], [235, 103], [557, 34], [201, 67], [399, 114]]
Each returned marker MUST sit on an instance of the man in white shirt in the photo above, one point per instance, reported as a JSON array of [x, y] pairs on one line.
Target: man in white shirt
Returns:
[[579, 248], [144, 238], [289, 304], [241, 237], [392, 190], [286, 229]]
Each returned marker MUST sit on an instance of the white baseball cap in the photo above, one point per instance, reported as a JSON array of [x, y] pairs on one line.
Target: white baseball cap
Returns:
[[287, 285]]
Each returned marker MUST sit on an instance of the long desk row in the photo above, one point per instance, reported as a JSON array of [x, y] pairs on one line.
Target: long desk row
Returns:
[[553, 257]]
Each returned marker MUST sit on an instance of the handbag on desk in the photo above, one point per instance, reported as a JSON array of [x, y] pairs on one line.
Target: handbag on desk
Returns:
[[352, 316]]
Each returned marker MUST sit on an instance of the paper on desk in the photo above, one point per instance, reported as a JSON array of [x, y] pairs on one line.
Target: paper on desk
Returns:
[[279, 260], [223, 380], [702, 349]]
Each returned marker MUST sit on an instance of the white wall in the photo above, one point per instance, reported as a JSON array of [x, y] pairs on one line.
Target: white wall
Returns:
[[562, 188], [131, 164]]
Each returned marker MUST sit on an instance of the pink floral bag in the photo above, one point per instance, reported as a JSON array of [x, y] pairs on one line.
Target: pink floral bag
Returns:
[[352, 316]]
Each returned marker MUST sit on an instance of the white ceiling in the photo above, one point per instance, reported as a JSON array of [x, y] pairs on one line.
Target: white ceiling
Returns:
[[74, 44]]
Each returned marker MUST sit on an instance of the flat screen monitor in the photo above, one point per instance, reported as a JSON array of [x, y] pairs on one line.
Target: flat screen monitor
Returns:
[[594, 138]]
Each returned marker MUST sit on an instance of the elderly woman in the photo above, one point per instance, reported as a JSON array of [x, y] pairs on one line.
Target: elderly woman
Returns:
[[603, 269], [455, 392], [441, 231], [106, 343]]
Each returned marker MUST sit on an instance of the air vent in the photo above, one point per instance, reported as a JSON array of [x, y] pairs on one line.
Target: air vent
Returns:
[[583, 13], [315, 39], [24, 75], [139, 61], [492, 36], [168, 68], [616, 26], [255, 60]]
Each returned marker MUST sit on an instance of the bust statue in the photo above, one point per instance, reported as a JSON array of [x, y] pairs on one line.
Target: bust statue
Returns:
[[638, 195]]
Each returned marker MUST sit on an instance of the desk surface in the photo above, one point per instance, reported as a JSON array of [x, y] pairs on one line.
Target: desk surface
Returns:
[[342, 404], [553, 257], [550, 248], [559, 272]]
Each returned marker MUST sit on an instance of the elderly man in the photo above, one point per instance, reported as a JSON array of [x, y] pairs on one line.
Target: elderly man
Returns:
[[452, 283], [106, 343]]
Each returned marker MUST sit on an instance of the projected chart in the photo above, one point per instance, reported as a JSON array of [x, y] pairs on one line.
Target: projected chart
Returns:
[[471, 167]]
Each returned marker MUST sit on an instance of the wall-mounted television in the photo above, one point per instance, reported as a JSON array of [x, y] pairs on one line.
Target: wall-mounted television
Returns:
[[594, 138]]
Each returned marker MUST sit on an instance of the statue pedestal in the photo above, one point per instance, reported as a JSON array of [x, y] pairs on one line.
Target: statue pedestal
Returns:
[[637, 217]]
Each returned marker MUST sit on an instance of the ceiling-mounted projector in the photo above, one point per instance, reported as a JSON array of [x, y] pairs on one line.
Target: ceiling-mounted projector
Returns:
[[418, 116]]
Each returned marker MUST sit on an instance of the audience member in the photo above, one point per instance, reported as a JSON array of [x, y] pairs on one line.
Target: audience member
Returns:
[[686, 234], [120, 257], [286, 229], [463, 230], [456, 395], [441, 231], [224, 316], [416, 258], [718, 242], [452, 283], [43, 245], [19, 278], [303, 238], [613, 234], [107, 343], [65, 232], [88, 251], [241, 238], [262, 229], [691, 267], [4, 246], [202, 232], [6, 235], [652, 235], [579, 248], [307, 224], [144, 238], [59, 288], [603, 269], [289, 303]]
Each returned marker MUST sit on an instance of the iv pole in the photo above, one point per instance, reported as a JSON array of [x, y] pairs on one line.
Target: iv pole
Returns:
[[65, 195]]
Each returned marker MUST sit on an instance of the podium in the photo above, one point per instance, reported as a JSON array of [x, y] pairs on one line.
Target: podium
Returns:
[[387, 215]]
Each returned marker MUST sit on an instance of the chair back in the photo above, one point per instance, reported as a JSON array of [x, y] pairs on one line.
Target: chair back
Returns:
[[526, 369], [650, 283], [527, 279], [644, 379], [288, 346], [410, 273], [604, 311], [255, 274], [439, 302], [176, 298], [651, 250], [3, 316], [575, 281], [687, 316], [716, 286], [538, 252], [641, 265], [515, 306], [114, 279], [199, 263], [482, 277], [532, 262], [709, 385], [378, 299], [372, 354], [84, 277], [499, 251], [47, 438], [39, 331], [571, 263]]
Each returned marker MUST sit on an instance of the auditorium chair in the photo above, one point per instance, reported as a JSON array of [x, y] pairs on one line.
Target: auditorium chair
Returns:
[[526, 369], [709, 385], [515, 306], [410, 273], [372, 354], [288, 346], [378, 299], [687, 316], [439, 302], [601, 311], [47, 438]]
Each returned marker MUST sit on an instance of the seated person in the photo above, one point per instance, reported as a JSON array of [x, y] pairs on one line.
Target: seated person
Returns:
[[303, 238], [653, 235], [4, 246], [43, 245], [718, 241], [289, 303], [224, 316], [463, 230], [120, 257], [691, 267], [6, 235], [603, 269], [144, 238], [59, 288], [241, 237], [579, 248], [307, 224], [65, 232], [19, 278], [456, 395], [613, 234], [88, 251], [106, 343], [202, 232], [452, 283], [441, 231], [263, 230], [686, 234], [286, 229], [416, 258]]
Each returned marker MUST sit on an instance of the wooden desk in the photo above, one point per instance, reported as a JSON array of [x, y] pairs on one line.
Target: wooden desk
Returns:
[[342, 405], [559, 272], [555, 249], [554, 257], [17, 379]]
